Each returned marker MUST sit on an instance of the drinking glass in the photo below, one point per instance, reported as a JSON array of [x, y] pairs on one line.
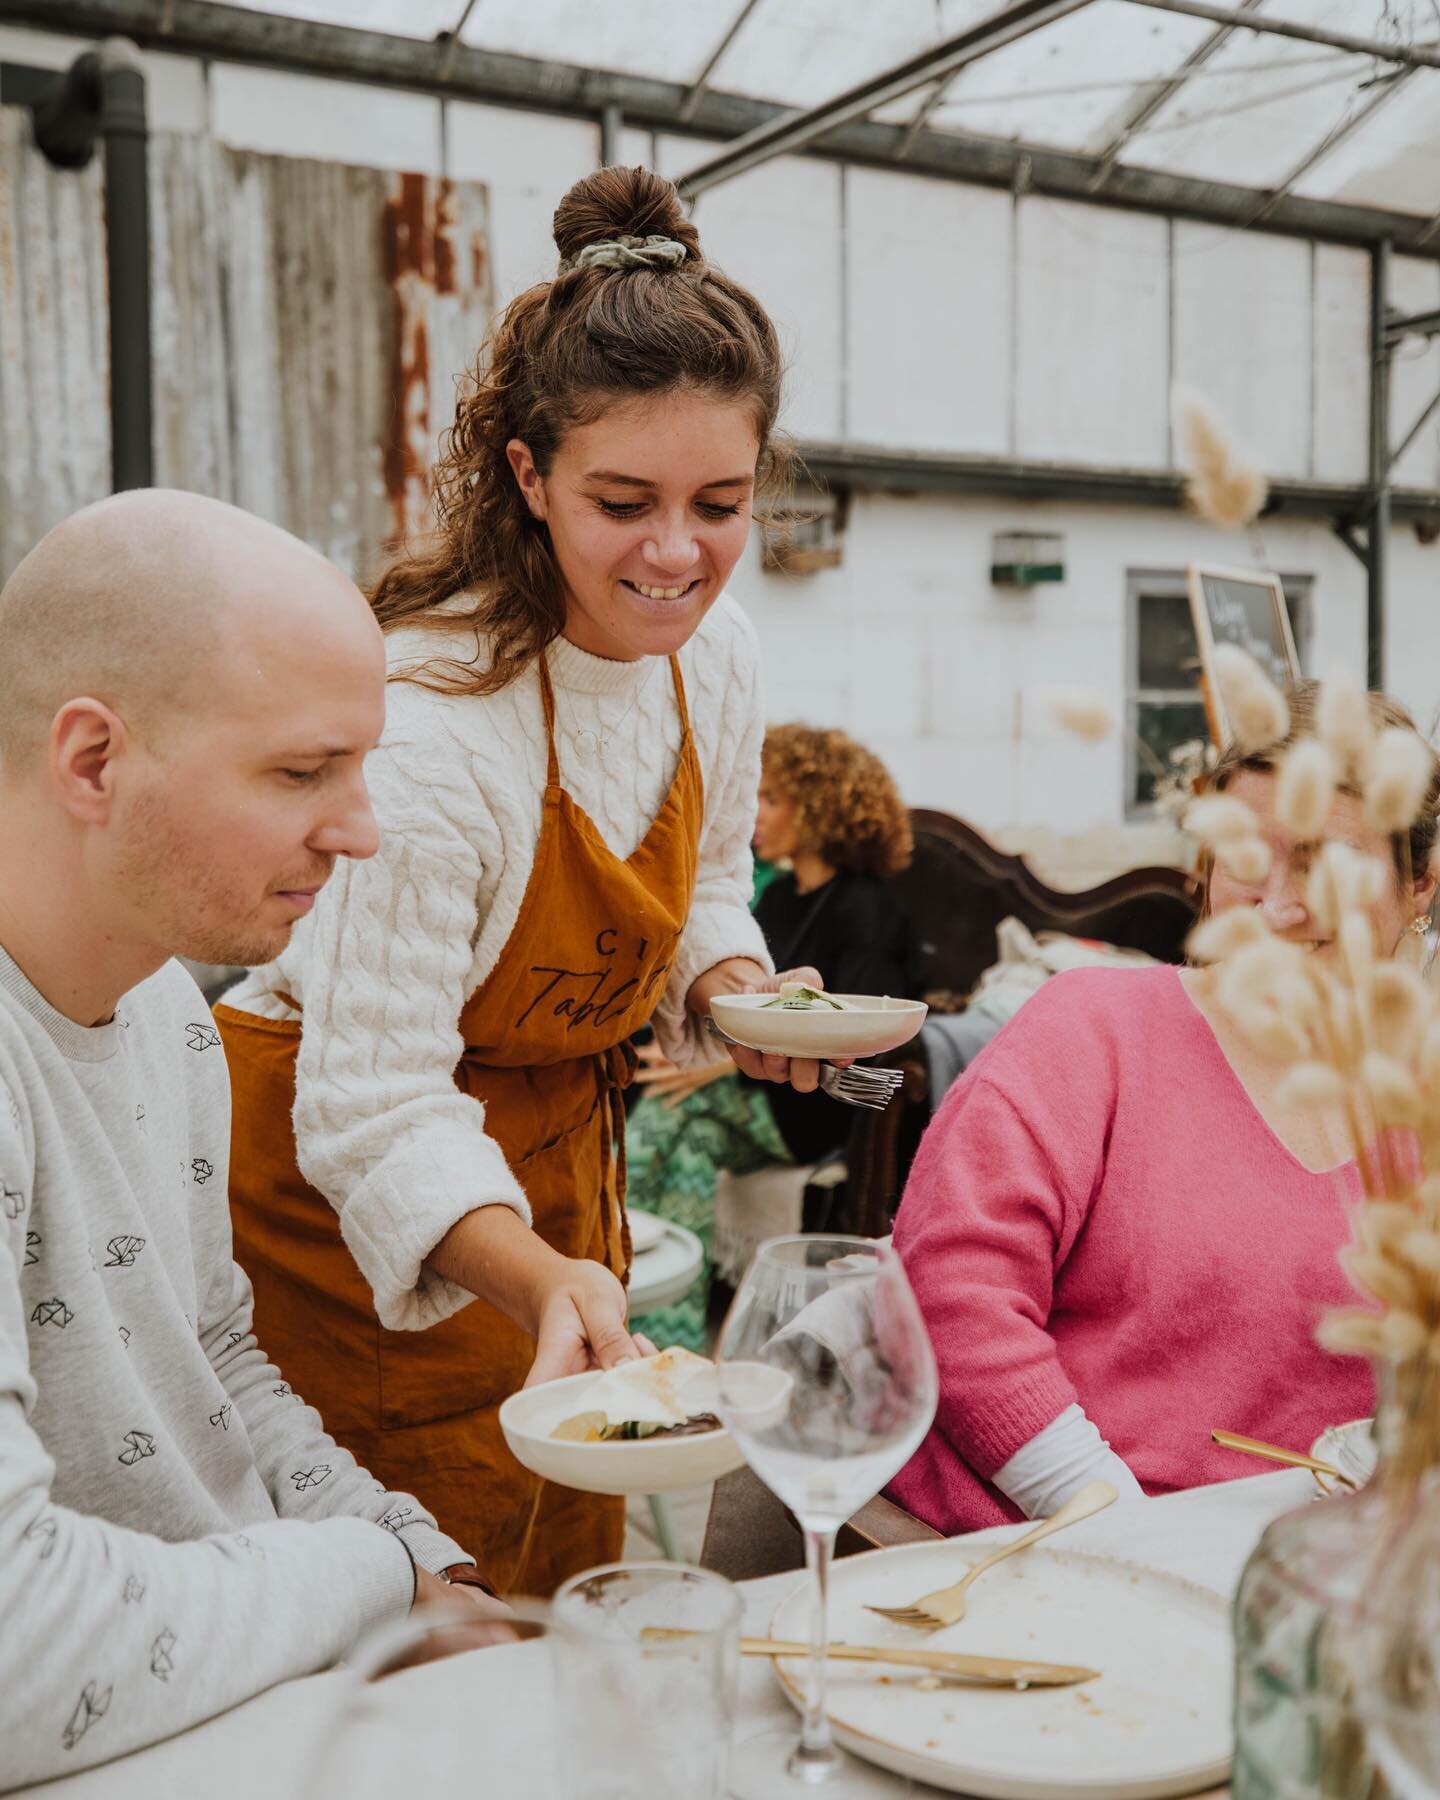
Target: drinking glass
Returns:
[[640, 1713], [826, 1381]]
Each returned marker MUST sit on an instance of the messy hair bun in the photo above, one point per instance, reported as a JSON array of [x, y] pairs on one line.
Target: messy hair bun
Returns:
[[634, 312], [621, 203]]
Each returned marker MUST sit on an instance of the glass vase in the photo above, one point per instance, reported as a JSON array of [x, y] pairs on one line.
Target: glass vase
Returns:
[[1319, 1609]]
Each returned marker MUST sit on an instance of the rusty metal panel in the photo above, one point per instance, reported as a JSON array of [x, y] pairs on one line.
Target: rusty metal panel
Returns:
[[54, 341], [311, 319]]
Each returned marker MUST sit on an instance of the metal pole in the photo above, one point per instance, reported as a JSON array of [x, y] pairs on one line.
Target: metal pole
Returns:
[[612, 123], [1381, 352], [127, 243], [1425, 55]]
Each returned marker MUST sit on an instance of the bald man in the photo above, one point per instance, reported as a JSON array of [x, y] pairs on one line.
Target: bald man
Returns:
[[186, 698]]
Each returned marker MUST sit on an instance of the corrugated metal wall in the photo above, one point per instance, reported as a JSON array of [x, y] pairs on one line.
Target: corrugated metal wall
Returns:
[[54, 354], [308, 322]]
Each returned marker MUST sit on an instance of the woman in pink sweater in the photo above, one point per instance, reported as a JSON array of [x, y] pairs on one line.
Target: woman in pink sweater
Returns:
[[1117, 1234]]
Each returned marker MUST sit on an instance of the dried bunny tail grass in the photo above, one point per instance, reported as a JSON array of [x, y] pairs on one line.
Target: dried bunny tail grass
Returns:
[[1215, 938], [1218, 818], [1344, 880], [1390, 1282], [1356, 938], [1247, 859], [1382, 1225], [1254, 705], [1311, 1084], [1344, 1033], [1342, 719], [1391, 1336], [1392, 1090], [1398, 780], [1421, 1249], [1266, 990], [1397, 1007], [1222, 486], [1080, 711], [1305, 790]]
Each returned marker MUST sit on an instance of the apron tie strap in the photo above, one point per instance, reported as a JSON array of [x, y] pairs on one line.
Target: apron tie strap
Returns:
[[613, 1069]]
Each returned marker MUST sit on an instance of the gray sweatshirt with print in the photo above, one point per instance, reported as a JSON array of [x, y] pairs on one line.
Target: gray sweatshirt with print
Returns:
[[177, 1531]]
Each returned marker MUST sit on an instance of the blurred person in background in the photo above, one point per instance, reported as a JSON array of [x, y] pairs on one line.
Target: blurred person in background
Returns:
[[427, 1080], [831, 816]]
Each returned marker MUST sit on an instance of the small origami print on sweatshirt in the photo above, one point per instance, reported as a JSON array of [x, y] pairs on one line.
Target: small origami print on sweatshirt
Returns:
[[308, 1478], [201, 1170], [394, 1520], [133, 1592], [42, 1532], [138, 1445], [52, 1312], [125, 1336], [235, 1337], [222, 1418], [202, 1037], [12, 1200], [91, 1705], [33, 1241], [140, 1120], [162, 1660], [286, 1392], [123, 1251]]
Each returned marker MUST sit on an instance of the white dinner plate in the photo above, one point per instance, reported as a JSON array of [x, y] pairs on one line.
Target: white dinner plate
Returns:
[[1350, 1448], [1155, 1723], [642, 1466], [869, 1025], [646, 1231]]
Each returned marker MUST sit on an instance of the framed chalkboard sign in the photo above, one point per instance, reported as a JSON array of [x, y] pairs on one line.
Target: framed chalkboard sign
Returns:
[[1244, 607]]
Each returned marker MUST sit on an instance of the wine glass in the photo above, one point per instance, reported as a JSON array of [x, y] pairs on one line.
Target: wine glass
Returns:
[[826, 1381]]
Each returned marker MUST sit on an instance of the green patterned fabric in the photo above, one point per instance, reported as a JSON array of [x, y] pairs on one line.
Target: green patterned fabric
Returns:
[[672, 1155]]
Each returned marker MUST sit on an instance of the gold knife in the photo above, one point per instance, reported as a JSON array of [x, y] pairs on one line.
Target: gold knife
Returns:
[[989, 1671], [1232, 1440]]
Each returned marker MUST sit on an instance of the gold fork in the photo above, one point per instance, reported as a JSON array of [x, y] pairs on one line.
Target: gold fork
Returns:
[[946, 1606]]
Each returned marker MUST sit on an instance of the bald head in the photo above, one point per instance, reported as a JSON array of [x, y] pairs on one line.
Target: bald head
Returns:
[[161, 604]]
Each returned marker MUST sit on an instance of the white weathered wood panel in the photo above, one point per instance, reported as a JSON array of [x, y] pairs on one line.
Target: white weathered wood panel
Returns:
[[54, 341], [1093, 334], [1342, 364], [1415, 374], [526, 160], [778, 230], [930, 313], [1243, 335]]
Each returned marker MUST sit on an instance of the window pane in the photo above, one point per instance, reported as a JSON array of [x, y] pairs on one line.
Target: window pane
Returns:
[[1162, 726], [1167, 654]]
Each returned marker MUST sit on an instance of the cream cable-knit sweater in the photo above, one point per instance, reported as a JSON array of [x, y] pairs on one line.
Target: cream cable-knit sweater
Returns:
[[395, 946]]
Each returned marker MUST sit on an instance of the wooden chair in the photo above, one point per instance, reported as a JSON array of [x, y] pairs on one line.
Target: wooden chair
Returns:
[[750, 1533], [956, 891]]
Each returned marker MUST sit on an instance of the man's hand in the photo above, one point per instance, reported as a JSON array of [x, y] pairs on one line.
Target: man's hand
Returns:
[[741, 975], [473, 1620], [582, 1324]]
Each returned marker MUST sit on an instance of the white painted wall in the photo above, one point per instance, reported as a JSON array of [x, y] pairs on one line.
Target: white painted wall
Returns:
[[922, 315]]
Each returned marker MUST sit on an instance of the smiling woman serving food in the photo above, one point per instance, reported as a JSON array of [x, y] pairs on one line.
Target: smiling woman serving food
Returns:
[[566, 790]]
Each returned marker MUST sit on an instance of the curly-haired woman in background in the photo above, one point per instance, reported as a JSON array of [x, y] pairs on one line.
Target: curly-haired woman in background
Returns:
[[831, 810]]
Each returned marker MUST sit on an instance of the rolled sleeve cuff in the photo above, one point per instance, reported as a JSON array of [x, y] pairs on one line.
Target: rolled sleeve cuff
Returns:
[[431, 1549], [400, 1213]]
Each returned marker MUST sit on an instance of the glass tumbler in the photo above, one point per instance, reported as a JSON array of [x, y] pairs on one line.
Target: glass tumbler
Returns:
[[646, 1661]]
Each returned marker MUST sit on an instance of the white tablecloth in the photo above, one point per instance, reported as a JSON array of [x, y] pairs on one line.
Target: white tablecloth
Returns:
[[482, 1726]]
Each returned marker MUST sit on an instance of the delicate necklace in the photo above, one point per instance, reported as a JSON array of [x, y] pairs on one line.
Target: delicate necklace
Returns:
[[594, 743]]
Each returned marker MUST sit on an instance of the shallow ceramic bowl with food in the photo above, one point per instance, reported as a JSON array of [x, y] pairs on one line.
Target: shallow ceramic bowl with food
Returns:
[[869, 1025], [646, 1231], [640, 1466]]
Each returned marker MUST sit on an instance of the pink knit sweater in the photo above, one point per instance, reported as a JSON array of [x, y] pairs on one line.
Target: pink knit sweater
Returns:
[[1099, 1214]]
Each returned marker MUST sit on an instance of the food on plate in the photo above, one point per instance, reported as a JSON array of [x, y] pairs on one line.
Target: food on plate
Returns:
[[658, 1396], [795, 996]]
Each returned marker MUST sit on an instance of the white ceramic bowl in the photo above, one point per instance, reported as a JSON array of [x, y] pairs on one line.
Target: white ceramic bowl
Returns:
[[869, 1025], [1350, 1448], [646, 1230], [641, 1466]]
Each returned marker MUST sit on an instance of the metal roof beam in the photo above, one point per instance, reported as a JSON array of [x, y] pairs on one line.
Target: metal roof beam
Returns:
[[226, 32], [702, 80], [1347, 128], [1160, 96], [795, 131], [1426, 56]]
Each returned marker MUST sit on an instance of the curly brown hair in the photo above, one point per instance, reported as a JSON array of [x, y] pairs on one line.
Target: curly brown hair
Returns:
[[850, 813], [558, 356]]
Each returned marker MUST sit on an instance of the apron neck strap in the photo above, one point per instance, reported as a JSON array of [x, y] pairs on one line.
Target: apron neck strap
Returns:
[[547, 700], [680, 694]]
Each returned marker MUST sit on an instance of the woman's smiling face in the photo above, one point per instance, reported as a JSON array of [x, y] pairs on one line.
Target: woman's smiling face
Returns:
[[648, 508]]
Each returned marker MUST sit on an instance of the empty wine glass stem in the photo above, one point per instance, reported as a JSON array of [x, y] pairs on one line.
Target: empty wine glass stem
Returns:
[[815, 1757]]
